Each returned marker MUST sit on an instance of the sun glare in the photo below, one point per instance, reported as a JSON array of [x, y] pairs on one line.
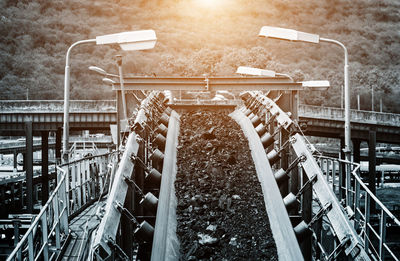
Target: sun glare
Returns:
[[209, 3]]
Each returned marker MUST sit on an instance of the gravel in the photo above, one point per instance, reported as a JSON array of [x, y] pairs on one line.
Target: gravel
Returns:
[[220, 213]]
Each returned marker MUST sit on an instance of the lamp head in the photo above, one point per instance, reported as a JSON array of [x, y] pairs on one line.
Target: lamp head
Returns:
[[98, 70], [316, 85], [255, 71], [130, 41], [108, 81], [288, 34]]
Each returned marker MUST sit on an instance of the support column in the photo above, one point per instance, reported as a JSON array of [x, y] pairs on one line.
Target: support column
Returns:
[[15, 161], [58, 145], [294, 175], [286, 104], [29, 165], [372, 165], [24, 161], [356, 150], [45, 167], [306, 206]]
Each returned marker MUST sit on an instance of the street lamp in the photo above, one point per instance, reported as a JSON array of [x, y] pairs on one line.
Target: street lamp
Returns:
[[260, 72], [109, 81], [102, 71], [128, 41], [296, 36]]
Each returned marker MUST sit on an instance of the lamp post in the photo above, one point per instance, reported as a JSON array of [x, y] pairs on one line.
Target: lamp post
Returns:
[[133, 40], [297, 36]]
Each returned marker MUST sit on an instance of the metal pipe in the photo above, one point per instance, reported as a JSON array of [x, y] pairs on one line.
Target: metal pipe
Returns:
[[121, 81]]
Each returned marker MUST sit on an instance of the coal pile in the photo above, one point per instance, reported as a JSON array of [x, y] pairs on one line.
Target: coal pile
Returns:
[[220, 213]]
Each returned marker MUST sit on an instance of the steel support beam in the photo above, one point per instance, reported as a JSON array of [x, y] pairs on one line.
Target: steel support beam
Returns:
[[45, 167], [15, 160], [294, 176], [306, 213], [207, 84], [372, 165], [356, 150], [29, 165]]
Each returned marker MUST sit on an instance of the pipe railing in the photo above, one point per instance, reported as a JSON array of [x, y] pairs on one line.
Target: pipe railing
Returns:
[[87, 178], [371, 227], [49, 230], [45, 238]]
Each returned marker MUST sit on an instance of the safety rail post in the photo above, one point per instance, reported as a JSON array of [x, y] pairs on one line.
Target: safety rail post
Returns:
[[366, 222], [64, 200], [382, 235], [356, 205], [45, 247]]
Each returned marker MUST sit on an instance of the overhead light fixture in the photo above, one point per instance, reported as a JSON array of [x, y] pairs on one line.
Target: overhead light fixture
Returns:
[[288, 34], [130, 41]]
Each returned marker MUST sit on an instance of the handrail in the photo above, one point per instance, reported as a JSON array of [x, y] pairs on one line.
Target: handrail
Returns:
[[17, 252], [390, 119], [363, 185], [362, 220], [52, 220]]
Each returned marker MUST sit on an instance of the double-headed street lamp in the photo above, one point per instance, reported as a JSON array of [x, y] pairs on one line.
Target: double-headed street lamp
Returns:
[[296, 36], [128, 41]]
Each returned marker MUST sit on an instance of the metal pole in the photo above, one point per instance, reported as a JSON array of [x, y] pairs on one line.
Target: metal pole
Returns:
[[66, 98], [358, 101], [28, 161], [347, 130], [341, 97], [45, 167], [121, 80]]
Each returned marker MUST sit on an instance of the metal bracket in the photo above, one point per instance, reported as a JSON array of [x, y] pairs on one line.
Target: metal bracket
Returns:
[[298, 160], [320, 213], [118, 249], [126, 212], [338, 249], [207, 82], [132, 184], [307, 184]]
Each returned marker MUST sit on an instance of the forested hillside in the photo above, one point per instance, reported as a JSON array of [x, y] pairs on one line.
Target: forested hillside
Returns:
[[197, 37]]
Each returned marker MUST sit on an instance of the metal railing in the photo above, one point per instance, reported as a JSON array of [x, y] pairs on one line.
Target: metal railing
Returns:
[[389, 119], [78, 183], [58, 105], [206, 102], [49, 230], [87, 177], [356, 197]]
